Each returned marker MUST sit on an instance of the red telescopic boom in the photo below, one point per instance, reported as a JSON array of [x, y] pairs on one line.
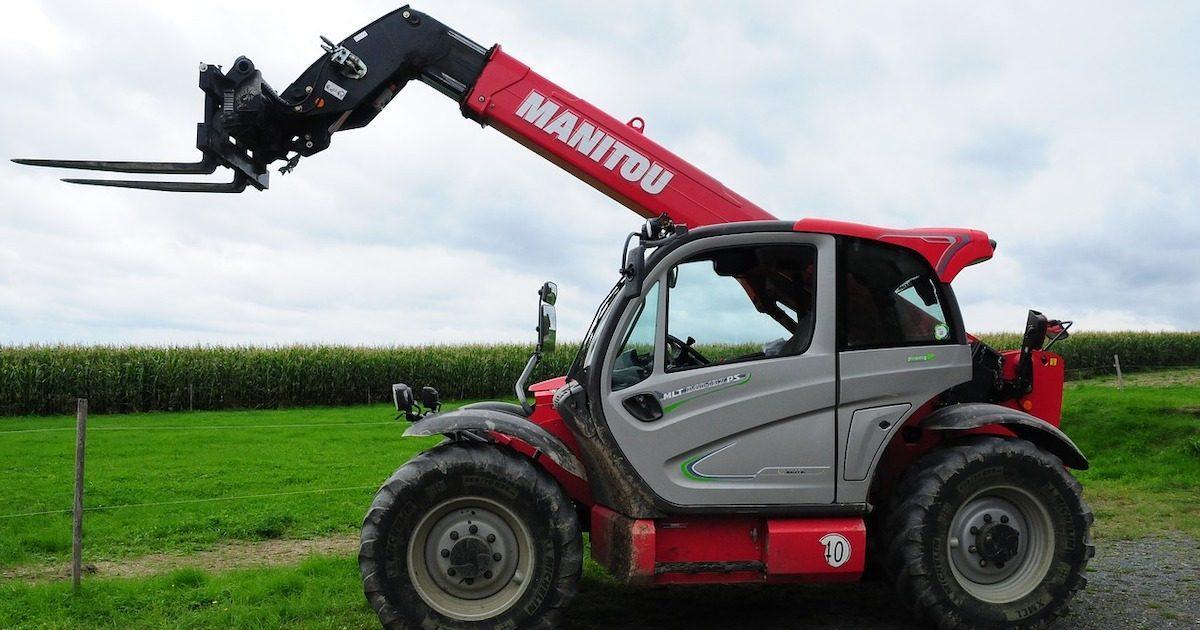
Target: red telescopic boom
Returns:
[[248, 125], [614, 157]]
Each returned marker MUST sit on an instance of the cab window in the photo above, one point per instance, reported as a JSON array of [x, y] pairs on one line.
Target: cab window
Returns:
[[740, 304], [635, 361], [889, 296]]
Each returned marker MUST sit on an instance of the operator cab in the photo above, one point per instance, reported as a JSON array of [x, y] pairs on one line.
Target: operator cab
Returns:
[[729, 358]]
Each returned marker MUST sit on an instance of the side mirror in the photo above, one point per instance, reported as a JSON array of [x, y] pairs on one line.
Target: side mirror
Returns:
[[634, 270], [546, 330], [1035, 331], [547, 327], [549, 293], [430, 399], [402, 395], [926, 291]]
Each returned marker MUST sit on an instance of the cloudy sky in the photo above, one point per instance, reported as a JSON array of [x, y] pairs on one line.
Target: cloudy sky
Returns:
[[1069, 132]]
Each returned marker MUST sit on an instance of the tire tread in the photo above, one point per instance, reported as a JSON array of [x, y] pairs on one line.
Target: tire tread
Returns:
[[911, 501]]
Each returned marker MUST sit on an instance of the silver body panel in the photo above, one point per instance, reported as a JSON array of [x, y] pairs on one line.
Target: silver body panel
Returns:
[[787, 431], [763, 440], [876, 380]]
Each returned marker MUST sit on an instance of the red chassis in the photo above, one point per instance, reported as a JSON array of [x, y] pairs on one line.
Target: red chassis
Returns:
[[756, 549]]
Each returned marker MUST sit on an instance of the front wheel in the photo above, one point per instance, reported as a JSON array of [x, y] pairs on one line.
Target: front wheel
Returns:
[[990, 533], [470, 536]]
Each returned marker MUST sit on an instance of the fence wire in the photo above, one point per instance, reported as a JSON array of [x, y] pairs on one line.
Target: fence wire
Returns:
[[206, 427], [98, 508]]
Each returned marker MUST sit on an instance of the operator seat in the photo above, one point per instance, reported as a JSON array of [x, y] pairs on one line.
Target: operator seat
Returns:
[[789, 280]]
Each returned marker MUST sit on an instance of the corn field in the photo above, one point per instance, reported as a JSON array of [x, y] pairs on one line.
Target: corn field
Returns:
[[117, 379]]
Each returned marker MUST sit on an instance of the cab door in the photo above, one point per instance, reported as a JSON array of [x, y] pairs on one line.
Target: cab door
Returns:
[[721, 384], [900, 344]]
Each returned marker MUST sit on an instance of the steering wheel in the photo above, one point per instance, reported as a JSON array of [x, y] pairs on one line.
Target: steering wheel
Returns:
[[685, 354]]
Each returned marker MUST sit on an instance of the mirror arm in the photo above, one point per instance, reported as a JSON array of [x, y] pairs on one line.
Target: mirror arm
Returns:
[[524, 378]]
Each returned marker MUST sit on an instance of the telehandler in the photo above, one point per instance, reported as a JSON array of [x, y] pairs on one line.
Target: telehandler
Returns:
[[756, 400]]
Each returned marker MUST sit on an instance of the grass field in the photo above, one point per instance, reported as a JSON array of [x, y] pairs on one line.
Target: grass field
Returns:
[[162, 457], [1143, 442], [1144, 446]]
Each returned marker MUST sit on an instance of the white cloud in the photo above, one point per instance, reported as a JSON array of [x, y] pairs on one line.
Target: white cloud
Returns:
[[1068, 132]]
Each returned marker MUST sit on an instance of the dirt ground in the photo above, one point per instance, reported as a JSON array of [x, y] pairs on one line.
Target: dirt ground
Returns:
[[223, 557]]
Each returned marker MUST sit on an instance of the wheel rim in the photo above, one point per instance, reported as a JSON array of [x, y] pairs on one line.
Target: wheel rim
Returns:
[[1001, 544], [470, 558]]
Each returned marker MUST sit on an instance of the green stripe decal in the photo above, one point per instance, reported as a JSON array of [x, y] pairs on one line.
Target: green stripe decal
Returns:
[[686, 468], [675, 405]]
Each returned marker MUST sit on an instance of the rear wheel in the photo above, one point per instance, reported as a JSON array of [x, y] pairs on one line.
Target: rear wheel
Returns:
[[470, 536], [989, 533]]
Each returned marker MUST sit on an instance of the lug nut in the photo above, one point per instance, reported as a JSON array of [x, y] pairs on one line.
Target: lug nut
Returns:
[[453, 535], [1003, 519], [487, 575], [971, 549], [474, 529], [987, 518], [974, 531], [445, 553], [470, 581], [496, 557], [451, 572], [491, 538], [983, 563]]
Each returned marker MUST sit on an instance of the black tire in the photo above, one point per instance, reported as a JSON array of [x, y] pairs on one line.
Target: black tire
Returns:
[[451, 479], [955, 487]]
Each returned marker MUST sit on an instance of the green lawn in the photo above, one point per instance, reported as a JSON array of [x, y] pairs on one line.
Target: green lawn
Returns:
[[1143, 442], [1144, 446], [146, 458]]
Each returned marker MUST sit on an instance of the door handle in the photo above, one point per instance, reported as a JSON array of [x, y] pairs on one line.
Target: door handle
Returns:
[[644, 407]]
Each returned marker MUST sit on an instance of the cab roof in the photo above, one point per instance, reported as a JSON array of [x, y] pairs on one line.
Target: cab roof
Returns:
[[948, 250]]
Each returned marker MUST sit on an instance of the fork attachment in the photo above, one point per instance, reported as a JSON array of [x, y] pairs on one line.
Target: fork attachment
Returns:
[[248, 125]]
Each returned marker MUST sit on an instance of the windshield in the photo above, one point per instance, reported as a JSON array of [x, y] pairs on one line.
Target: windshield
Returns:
[[586, 349]]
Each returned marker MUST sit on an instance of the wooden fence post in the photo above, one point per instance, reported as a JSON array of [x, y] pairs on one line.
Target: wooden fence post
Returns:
[[1120, 379], [81, 410]]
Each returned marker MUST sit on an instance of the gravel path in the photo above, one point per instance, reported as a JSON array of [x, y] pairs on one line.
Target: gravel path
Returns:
[[1149, 583]]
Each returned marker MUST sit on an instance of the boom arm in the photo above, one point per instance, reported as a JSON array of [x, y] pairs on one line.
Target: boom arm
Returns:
[[248, 126]]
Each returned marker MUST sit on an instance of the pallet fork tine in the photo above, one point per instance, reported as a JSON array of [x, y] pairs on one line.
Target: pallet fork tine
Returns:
[[236, 186], [206, 166]]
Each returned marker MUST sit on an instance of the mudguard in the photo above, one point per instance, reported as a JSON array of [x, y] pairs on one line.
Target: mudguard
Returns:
[[1039, 432], [483, 423]]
